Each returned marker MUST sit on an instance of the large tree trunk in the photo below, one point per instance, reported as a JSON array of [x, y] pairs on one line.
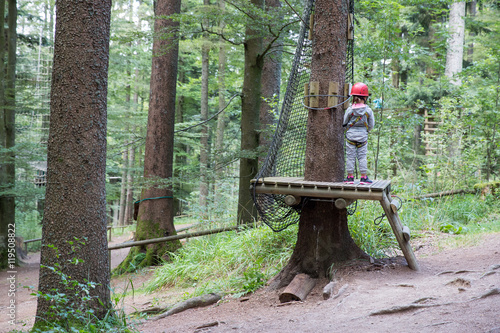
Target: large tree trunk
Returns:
[[76, 178], [455, 51], [323, 237], [156, 209], [250, 105], [7, 130]]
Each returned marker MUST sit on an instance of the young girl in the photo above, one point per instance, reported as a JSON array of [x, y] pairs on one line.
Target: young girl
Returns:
[[359, 121]]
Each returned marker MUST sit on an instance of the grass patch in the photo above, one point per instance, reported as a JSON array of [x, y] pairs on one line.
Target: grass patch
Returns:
[[232, 262]]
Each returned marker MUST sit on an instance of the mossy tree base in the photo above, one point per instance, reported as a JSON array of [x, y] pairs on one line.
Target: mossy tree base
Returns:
[[148, 255]]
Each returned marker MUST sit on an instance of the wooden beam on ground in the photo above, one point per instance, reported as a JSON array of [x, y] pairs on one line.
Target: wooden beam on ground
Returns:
[[442, 194], [298, 289], [397, 228], [171, 238]]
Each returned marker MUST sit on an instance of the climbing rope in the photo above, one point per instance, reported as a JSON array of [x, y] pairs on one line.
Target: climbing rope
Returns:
[[328, 107], [380, 218], [165, 197]]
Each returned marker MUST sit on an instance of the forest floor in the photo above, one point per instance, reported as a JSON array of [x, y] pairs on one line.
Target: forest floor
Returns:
[[456, 290]]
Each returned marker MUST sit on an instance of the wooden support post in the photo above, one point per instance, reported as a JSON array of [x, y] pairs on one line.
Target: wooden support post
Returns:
[[298, 289], [314, 90], [306, 92], [333, 89], [397, 228]]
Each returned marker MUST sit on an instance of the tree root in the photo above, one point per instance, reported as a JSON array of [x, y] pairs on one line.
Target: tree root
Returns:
[[195, 302], [402, 308], [417, 304]]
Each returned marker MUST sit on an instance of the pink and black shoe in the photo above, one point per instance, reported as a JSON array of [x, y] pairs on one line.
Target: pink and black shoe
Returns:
[[349, 180], [365, 181]]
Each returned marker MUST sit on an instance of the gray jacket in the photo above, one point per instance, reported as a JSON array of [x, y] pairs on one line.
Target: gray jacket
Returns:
[[357, 131]]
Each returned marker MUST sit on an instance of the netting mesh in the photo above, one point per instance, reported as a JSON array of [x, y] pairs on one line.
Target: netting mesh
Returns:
[[286, 155]]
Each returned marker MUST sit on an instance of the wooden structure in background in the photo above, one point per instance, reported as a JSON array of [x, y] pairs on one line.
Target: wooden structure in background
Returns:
[[342, 194], [430, 126]]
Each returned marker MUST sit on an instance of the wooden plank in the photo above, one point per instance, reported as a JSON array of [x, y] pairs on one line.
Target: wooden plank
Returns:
[[333, 89], [397, 228], [378, 185], [319, 192], [314, 90], [346, 93], [350, 26]]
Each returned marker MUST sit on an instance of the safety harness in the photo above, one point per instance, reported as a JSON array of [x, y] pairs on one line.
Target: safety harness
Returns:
[[353, 121]]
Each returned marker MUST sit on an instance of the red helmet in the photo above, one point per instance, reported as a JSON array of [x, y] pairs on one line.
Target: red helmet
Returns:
[[359, 89]]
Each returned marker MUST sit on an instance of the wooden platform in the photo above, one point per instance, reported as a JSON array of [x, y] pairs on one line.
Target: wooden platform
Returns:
[[302, 188], [296, 188]]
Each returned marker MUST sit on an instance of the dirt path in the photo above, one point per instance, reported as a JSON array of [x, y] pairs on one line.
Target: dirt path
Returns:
[[442, 297]]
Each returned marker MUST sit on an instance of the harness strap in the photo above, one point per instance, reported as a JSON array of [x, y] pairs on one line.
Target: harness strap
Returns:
[[355, 143], [352, 123]]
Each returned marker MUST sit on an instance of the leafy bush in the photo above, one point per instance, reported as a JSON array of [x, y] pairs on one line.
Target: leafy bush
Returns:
[[71, 308]]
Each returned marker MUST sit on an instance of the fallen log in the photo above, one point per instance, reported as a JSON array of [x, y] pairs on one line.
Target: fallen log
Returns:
[[442, 194], [298, 289], [195, 302]]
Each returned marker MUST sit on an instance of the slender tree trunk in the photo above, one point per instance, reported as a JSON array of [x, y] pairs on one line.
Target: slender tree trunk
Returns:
[[323, 236], [250, 106], [271, 80], [129, 206], [221, 79], [472, 14], [156, 209], [455, 51], [123, 187], [205, 49], [76, 178]]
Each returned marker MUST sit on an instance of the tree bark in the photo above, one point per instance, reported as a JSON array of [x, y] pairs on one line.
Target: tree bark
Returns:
[[156, 209], [76, 178], [250, 105], [323, 237], [455, 51]]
